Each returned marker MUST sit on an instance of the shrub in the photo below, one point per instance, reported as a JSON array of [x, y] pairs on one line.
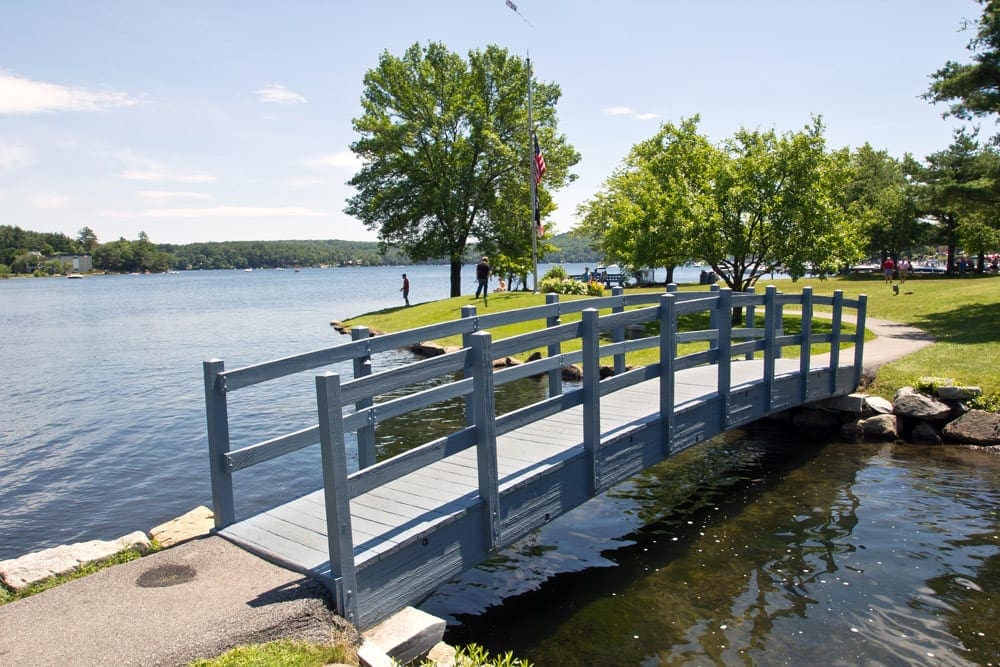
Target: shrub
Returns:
[[563, 286], [556, 271]]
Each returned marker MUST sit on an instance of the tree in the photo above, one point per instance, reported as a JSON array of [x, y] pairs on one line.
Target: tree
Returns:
[[955, 185], [87, 240], [445, 150], [775, 201], [973, 89], [643, 214], [882, 199]]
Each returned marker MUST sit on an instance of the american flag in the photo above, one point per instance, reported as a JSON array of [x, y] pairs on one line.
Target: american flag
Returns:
[[539, 161]]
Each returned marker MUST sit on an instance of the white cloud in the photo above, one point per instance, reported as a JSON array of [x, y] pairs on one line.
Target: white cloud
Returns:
[[277, 94], [173, 177], [232, 212], [619, 111], [49, 201], [172, 194], [13, 156], [629, 111], [341, 160], [22, 96]]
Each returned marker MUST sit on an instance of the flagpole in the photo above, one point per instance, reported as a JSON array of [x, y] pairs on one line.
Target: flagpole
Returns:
[[533, 180]]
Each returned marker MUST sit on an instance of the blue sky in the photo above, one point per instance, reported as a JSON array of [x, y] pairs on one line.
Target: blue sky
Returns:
[[223, 120]]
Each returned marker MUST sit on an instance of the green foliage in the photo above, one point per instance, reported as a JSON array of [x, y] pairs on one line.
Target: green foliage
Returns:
[[15, 242], [4, 271], [757, 201], [972, 88], [557, 271], [562, 286], [280, 653], [474, 655], [444, 153]]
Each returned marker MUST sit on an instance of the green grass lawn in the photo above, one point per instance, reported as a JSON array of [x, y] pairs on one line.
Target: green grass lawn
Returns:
[[963, 315]]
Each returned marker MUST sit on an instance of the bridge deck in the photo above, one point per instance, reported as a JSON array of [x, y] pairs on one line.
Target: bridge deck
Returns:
[[414, 507]]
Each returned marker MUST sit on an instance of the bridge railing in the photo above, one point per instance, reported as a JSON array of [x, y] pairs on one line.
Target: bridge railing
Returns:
[[352, 405]]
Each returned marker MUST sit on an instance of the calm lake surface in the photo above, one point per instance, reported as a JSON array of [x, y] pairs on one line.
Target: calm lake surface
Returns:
[[752, 549]]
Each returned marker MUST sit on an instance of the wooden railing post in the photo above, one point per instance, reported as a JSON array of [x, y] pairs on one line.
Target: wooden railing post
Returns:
[[838, 313], [713, 318], [486, 435], [366, 434], [336, 494], [591, 396], [555, 349], [751, 321], [804, 343], [668, 352], [467, 312], [217, 414], [859, 340], [618, 333], [770, 345], [724, 318], [780, 324]]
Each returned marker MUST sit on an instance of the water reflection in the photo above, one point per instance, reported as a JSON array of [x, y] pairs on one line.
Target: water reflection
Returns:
[[756, 549]]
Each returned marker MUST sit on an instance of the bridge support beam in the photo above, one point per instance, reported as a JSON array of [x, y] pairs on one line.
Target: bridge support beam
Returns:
[[336, 494], [592, 396], [554, 349], [770, 347], [723, 312], [366, 434], [217, 414], [805, 343], [668, 353], [486, 433]]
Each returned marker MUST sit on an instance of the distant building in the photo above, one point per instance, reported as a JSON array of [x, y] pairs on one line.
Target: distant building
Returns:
[[78, 263]]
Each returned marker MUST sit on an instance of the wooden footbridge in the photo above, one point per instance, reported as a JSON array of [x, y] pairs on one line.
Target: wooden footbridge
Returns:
[[386, 534]]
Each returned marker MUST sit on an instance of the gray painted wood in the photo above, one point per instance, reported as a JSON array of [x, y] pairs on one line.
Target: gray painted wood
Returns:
[[386, 535]]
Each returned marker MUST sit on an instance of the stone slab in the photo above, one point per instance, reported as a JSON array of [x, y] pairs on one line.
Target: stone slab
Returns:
[[406, 635], [196, 523], [19, 573]]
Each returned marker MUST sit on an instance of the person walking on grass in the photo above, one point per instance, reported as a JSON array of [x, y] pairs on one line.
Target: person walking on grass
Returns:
[[887, 268], [405, 289], [483, 278]]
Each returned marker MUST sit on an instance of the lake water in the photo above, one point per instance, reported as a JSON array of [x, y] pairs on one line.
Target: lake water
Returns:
[[749, 549]]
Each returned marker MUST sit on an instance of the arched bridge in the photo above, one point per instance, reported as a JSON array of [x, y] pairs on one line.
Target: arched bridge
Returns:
[[386, 534]]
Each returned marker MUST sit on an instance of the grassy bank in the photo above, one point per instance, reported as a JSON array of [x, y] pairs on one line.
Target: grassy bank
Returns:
[[963, 315]]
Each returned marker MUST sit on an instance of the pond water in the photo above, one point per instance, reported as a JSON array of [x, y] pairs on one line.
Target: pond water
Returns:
[[756, 549]]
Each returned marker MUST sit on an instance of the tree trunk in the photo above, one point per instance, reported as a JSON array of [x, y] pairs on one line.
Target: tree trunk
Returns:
[[670, 274], [456, 277]]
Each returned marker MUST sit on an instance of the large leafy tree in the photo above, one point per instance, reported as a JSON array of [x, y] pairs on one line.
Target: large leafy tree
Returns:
[[775, 201], [959, 188], [644, 212], [881, 197], [445, 150], [973, 89]]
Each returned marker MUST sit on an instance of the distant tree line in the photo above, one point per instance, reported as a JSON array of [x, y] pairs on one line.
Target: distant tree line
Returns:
[[20, 252]]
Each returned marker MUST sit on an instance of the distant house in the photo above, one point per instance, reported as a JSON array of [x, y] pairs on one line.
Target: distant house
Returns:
[[78, 263]]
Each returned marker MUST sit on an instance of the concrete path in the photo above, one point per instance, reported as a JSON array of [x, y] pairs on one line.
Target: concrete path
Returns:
[[206, 596], [194, 600]]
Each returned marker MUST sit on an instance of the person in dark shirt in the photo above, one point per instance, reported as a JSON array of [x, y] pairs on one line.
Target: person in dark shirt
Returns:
[[483, 277], [405, 289]]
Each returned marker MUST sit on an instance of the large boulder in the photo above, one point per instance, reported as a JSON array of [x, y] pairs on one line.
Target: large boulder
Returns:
[[958, 393], [881, 427], [975, 427], [853, 431], [912, 404], [19, 573], [876, 405]]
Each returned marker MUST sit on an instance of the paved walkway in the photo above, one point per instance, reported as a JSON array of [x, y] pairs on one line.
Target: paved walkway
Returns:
[[206, 596]]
